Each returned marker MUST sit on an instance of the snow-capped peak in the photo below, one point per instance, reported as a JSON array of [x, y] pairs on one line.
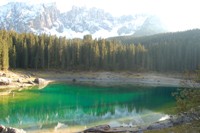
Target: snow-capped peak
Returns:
[[46, 18]]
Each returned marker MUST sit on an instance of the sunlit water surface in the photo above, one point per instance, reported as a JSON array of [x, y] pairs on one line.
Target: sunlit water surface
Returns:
[[84, 105]]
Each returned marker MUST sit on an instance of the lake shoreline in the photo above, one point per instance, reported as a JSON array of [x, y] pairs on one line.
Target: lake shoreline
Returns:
[[97, 78], [113, 78], [15, 80], [25, 78]]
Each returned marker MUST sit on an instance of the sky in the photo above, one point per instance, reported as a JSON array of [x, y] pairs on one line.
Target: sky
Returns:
[[177, 15]]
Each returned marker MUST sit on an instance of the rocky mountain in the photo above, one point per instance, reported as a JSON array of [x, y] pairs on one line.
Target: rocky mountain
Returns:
[[46, 18]]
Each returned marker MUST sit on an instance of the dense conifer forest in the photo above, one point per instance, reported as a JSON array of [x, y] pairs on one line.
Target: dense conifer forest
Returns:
[[169, 52]]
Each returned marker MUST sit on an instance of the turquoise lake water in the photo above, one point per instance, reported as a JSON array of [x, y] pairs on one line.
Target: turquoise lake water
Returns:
[[84, 105]]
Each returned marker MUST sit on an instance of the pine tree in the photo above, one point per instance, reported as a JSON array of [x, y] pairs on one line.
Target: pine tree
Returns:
[[13, 56], [1, 50], [25, 55], [5, 58]]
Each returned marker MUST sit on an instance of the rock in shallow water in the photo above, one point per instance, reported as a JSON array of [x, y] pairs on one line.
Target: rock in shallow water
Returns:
[[39, 81]]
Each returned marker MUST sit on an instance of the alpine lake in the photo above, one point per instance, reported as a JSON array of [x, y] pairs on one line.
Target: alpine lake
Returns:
[[83, 106]]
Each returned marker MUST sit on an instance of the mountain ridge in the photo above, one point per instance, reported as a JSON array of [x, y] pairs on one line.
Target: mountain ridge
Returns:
[[79, 21]]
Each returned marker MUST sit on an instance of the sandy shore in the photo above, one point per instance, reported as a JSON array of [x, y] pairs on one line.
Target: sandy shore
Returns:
[[22, 78], [16, 79], [114, 78]]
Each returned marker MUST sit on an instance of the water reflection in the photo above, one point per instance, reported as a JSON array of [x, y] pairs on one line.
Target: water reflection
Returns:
[[82, 105]]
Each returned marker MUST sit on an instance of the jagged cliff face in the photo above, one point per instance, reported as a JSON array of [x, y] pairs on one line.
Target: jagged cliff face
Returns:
[[23, 17], [46, 18]]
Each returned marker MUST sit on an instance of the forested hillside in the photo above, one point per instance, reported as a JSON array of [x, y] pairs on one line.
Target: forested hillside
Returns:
[[165, 52], [175, 51], [159, 38]]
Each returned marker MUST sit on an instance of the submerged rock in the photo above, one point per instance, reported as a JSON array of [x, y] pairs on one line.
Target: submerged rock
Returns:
[[4, 129]]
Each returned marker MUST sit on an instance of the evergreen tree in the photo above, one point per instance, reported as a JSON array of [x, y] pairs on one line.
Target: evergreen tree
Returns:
[[165, 52], [12, 59], [5, 58]]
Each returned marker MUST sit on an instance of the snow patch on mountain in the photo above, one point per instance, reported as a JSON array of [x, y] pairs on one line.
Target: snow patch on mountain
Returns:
[[77, 22]]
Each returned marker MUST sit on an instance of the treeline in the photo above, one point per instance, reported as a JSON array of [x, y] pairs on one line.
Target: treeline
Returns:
[[170, 53], [161, 38], [44, 51], [175, 51]]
